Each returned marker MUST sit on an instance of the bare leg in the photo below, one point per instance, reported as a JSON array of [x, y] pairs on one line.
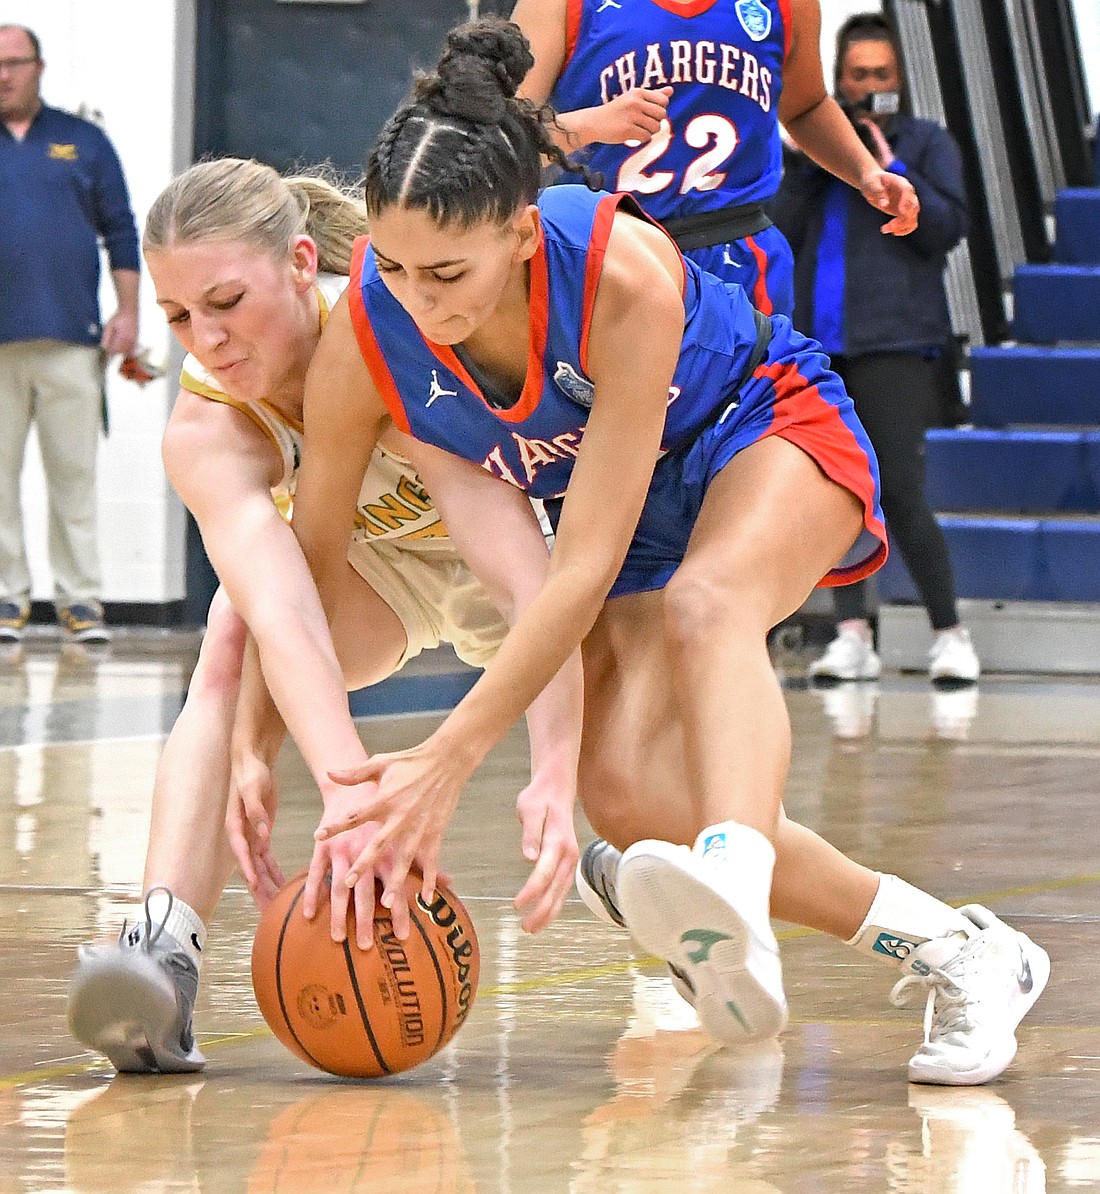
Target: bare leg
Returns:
[[188, 851], [635, 782]]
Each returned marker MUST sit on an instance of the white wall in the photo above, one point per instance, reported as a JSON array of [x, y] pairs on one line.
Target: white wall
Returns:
[[120, 57]]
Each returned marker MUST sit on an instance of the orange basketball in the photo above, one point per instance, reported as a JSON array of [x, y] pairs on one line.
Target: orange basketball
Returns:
[[365, 1014]]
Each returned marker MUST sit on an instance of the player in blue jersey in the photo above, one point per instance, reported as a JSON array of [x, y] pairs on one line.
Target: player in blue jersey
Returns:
[[707, 471], [679, 103]]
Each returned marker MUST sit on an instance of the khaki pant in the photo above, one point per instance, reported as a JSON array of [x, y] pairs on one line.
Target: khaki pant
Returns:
[[60, 387]]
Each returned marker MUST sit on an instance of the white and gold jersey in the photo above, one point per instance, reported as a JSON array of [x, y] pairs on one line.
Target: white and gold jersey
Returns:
[[392, 502]]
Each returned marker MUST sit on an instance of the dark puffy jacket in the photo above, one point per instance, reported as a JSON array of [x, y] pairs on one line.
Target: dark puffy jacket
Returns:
[[894, 298]]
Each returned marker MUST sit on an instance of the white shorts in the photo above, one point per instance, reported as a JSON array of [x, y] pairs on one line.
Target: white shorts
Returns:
[[435, 595]]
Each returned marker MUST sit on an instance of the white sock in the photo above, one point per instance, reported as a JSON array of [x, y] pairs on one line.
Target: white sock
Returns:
[[901, 917], [749, 860], [182, 923]]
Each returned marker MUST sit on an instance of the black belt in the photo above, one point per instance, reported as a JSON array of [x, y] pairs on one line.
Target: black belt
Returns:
[[764, 331], [718, 227]]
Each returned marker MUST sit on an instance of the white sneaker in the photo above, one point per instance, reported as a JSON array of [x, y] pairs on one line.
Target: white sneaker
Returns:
[[677, 907], [134, 1001], [595, 880], [849, 656], [978, 991], [952, 659]]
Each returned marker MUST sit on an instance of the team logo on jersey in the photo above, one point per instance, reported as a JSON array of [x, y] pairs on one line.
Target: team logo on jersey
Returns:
[[607, 4], [437, 391], [63, 153], [570, 382], [755, 18]]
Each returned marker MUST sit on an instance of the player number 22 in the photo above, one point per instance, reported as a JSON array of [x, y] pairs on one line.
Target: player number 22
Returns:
[[713, 134]]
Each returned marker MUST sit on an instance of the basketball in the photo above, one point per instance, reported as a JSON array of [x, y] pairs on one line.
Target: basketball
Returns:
[[365, 1014]]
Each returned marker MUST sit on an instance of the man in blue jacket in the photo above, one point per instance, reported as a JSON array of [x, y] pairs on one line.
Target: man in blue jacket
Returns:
[[879, 307], [61, 190]]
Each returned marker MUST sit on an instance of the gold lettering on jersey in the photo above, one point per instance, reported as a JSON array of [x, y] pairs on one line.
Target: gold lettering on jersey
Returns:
[[682, 61], [394, 510], [64, 153], [411, 491]]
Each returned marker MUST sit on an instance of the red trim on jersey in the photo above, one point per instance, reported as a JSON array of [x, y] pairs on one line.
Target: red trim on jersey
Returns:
[[368, 345], [604, 220], [538, 323], [785, 13], [573, 10], [685, 10], [761, 300], [807, 420]]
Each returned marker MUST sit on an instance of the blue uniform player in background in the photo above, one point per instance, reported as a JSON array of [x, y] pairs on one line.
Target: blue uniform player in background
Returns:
[[679, 102]]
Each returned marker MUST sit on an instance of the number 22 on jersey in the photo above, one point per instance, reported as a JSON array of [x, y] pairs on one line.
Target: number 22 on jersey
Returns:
[[715, 135]]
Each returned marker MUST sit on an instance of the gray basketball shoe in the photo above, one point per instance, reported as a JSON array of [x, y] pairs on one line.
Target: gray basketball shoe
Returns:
[[133, 1001]]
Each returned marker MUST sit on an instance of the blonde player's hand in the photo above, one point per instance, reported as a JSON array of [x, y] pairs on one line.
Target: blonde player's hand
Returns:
[[249, 818], [545, 810], [327, 878], [634, 117], [892, 193], [416, 794]]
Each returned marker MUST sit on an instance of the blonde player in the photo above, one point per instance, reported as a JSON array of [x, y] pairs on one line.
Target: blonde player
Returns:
[[247, 266]]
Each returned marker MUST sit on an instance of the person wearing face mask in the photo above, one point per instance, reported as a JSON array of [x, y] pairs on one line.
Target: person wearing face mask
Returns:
[[878, 306]]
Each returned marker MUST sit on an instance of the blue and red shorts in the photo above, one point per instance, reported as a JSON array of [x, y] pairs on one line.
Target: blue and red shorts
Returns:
[[793, 394]]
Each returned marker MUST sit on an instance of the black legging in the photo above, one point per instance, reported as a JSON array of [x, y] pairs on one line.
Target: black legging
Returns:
[[897, 396]]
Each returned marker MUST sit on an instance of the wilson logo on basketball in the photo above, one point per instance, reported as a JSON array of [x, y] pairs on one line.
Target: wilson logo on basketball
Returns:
[[462, 949]]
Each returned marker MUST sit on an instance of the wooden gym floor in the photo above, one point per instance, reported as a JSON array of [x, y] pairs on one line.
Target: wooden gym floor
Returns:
[[574, 1072]]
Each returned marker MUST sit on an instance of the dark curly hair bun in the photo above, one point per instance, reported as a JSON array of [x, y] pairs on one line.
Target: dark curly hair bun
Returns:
[[482, 67]]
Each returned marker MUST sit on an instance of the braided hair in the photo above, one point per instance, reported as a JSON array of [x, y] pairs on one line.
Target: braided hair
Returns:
[[464, 148]]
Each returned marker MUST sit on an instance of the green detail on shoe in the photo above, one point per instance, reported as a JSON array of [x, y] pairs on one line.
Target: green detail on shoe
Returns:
[[735, 1011], [705, 940]]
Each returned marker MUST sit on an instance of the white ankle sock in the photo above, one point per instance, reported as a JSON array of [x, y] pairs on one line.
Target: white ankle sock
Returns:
[[901, 917], [182, 923], [747, 859]]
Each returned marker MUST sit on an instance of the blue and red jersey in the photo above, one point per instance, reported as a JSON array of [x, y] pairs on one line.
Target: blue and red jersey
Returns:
[[432, 395], [740, 377], [724, 59]]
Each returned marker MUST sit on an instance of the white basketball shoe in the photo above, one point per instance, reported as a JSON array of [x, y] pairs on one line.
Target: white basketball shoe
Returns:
[[682, 907], [978, 990]]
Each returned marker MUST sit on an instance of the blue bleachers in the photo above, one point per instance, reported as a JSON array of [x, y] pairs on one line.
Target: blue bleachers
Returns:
[[1018, 493], [1036, 385], [1077, 218], [1056, 302], [1026, 471]]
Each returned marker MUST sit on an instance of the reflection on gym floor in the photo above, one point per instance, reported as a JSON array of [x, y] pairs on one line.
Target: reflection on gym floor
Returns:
[[579, 1070]]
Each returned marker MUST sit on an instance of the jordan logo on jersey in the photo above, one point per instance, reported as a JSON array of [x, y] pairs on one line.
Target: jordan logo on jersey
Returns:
[[437, 391], [755, 18], [607, 4]]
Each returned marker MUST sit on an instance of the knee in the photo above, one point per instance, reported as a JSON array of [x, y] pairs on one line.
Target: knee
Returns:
[[700, 606]]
